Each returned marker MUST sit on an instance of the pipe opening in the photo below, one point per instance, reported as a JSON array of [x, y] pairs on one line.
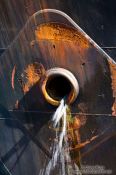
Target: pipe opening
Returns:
[[58, 87], [58, 84]]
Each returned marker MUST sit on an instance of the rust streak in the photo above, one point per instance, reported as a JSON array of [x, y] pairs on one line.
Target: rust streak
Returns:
[[60, 32], [32, 75], [12, 77], [113, 78]]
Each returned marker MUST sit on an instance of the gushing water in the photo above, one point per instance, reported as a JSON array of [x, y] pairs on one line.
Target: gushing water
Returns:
[[60, 148], [58, 152]]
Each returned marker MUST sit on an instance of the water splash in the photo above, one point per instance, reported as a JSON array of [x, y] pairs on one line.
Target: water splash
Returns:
[[61, 158], [58, 153]]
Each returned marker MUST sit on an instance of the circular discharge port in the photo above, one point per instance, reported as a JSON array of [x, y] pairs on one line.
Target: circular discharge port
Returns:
[[58, 84]]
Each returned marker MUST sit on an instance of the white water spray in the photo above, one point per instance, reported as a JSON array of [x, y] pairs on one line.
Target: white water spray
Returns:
[[58, 151], [59, 154]]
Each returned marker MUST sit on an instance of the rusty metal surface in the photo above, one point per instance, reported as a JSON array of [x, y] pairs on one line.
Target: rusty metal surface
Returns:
[[92, 74], [96, 17]]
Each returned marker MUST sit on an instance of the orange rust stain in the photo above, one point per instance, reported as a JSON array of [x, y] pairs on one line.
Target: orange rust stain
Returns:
[[12, 77], [56, 32], [113, 78], [61, 43], [79, 121], [32, 74], [73, 132], [114, 109], [83, 144]]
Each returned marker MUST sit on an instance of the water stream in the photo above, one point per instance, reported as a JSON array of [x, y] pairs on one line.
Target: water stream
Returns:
[[61, 159]]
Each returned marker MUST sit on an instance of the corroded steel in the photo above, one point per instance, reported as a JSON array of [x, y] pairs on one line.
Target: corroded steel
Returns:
[[51, 39]]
